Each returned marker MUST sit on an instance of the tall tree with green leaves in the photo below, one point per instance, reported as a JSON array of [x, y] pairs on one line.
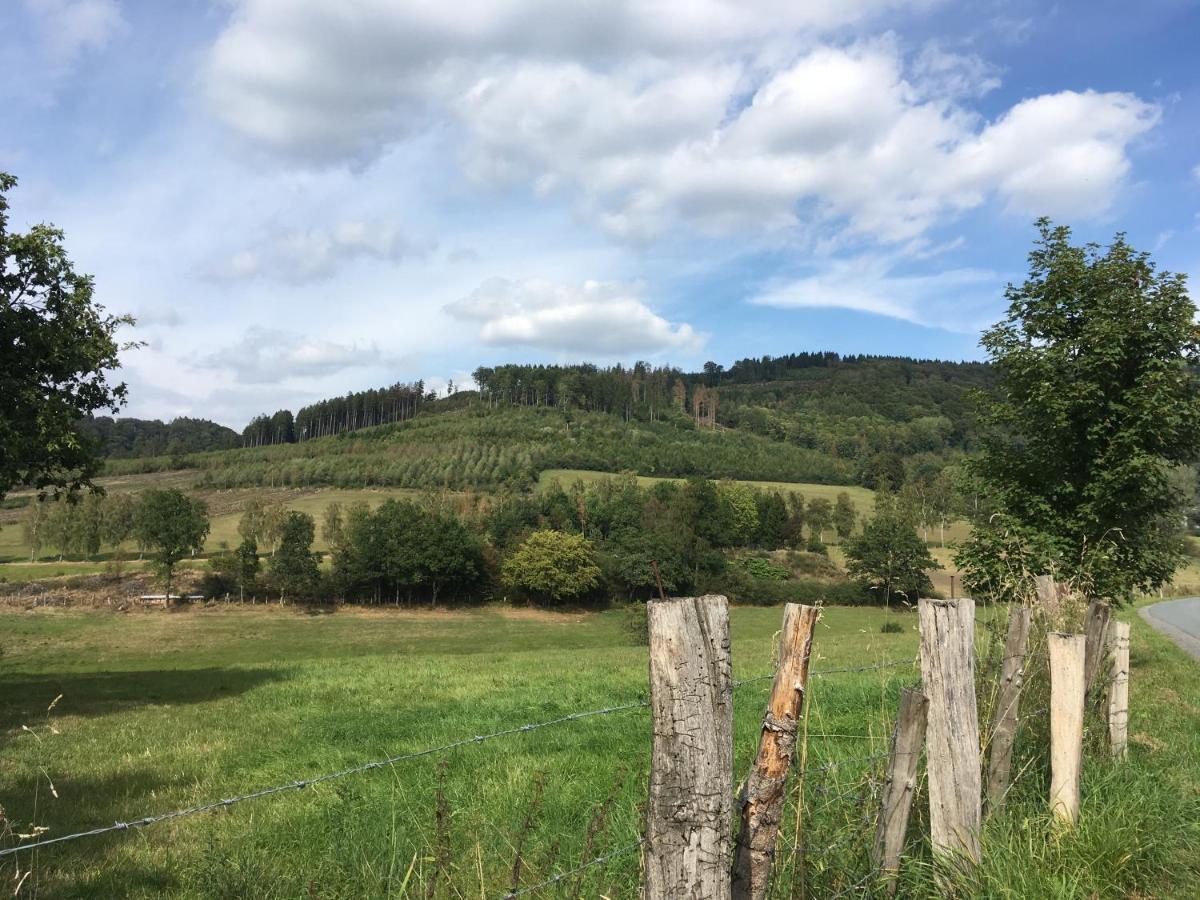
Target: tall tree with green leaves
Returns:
[[844, 516], [293, 566], [57, 348], [888, 556], [1098, 402], [172, 525]]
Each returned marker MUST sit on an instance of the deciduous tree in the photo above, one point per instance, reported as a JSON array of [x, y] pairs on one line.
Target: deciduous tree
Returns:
[[57, 349], [1098, 402]]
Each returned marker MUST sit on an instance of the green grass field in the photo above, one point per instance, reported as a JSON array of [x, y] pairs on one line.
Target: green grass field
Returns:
[[162, 710]]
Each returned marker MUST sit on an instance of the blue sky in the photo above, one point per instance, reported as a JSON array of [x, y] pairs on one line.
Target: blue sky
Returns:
[[302, 198]]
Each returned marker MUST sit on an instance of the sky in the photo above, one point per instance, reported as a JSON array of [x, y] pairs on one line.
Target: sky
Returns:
[[299, 198]]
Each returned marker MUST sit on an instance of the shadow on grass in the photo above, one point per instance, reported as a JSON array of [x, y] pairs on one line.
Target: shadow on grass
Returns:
[[26, 697], [96, 866]]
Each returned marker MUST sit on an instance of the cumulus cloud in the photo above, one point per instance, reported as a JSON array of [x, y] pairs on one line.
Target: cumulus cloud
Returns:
[[269, 356], [315, 254], [694, 111], [954, 299], [337, 79], [602, 318]]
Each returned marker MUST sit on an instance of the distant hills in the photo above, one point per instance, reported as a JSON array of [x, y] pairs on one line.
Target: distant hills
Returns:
[[131, 438], [803, 417]]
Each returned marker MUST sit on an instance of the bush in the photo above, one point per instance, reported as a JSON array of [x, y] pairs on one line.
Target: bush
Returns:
[[743, 589], [552, 566], [757, 567]]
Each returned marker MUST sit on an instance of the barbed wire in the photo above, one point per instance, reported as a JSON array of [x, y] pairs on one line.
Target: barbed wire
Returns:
[[300, 784], [549, 882], [889, 664], [146, 821]]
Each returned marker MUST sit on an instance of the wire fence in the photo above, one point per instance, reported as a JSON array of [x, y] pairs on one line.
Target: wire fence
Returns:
[[820, 769]]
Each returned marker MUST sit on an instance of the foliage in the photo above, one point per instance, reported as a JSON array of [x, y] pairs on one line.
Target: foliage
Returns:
[[172, 525], [844, 516], [129, 438], [293, 567], [757, 567], [888, 556], [57, 346], [552, 566], [1098, 402], [403, 548]]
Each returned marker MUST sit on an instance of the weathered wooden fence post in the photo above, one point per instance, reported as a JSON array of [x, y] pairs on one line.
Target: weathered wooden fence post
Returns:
[[907, 740], [1118, 691], [1095, 630], [952, 740], [1008, 703], [762, 802], [688, 815], [1068, 693]]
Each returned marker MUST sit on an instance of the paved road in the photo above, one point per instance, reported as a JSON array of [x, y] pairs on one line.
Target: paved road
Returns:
[[1179, 620]]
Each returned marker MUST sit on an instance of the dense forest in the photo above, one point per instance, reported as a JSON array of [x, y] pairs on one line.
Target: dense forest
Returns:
[[128, 438]]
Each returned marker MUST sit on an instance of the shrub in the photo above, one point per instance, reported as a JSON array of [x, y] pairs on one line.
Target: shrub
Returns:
[[552, 566], [757, 567]]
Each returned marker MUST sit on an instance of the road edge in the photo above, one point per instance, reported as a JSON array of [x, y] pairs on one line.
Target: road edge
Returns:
[[1182, 639]]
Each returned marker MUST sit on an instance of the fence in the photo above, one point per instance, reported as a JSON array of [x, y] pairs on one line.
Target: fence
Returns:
[[688, 848]]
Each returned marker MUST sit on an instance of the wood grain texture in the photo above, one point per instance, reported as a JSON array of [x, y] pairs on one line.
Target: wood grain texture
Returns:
[[689, 810], [952, 734], [763, 799], [1068, 694], [1118, 690], [908, 738], [1008, 703]]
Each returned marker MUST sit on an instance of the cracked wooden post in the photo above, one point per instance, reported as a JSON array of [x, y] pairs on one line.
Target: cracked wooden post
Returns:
[[1096, 631], [907, 740], [952, 733], [1068, 693], [1008, 702], [1118, 690], [762, 801], [689, 812]]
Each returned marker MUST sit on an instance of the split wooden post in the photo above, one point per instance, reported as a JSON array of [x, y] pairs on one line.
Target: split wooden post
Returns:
[[1068, 692], [762, 801], [1008, 703], [907, 740], [952, 740], [688, 814], [1118, 690], [1095, 629]]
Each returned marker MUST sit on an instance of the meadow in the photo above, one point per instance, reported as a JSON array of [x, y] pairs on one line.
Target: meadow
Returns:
[[161, 710]]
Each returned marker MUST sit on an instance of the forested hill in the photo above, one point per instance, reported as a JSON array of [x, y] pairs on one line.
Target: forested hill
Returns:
[[811, 417], [128, 438]]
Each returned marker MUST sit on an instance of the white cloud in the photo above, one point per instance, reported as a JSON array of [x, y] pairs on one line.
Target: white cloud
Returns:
[[269, 356], [727, 117], [70, 27], [336, 79], [956, 299], [600, 318], [315, 254]]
